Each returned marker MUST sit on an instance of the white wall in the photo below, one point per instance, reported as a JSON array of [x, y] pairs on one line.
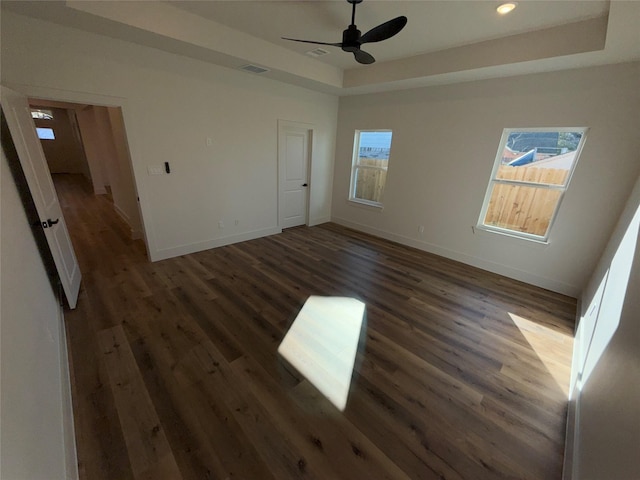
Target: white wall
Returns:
[[93, 148], [126, 197], [171, 105], [36, 437], [604, 433], [444, 145]]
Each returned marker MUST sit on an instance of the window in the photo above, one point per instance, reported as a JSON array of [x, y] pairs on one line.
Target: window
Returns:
[[40, 114], [369, 168], [530, 176], [45, 133]]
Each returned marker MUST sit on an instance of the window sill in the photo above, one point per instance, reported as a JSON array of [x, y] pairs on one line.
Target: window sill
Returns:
[[364, 204], [483, 229]]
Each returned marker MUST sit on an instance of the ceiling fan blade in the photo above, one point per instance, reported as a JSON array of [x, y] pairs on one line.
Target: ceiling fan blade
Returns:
[[384, 31], [311, 41], [363, 57]]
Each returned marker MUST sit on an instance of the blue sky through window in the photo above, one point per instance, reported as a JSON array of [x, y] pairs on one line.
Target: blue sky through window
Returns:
[[45, 133], [375, 139]]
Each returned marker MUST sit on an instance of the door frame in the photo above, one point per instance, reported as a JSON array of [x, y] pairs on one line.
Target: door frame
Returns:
[[60, 95], [282, 125]]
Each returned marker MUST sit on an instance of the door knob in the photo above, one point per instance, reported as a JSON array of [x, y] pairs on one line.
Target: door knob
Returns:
[[304, 185], [50, 223]]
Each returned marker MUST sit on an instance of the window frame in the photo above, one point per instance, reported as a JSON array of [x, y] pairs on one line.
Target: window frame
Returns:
[[506, 132], [354, 168]]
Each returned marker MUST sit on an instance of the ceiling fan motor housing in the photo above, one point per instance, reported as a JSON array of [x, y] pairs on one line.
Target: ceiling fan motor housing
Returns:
[[351, 39]]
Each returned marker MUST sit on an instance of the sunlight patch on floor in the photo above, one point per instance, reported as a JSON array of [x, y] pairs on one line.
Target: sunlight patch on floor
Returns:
[[552, 348], [322, 343]]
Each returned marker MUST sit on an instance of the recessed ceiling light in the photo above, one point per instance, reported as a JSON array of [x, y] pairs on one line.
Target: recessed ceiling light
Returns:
[[506, 8]]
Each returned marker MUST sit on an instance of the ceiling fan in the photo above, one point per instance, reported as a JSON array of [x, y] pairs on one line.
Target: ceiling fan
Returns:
[[352, 38]]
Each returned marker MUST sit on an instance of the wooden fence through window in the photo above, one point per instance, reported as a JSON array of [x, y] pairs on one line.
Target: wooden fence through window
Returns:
[[370, 181], [516, 207], [521, 207]]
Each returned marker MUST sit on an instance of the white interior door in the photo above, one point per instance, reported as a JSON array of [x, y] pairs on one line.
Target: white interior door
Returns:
[[293, 165], [18, 114]]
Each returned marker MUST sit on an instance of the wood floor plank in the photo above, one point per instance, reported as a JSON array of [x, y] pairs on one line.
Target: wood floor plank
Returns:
[[105, 455], [184, 419], [219, 412], [149, 452], [194, 464], [461, 374], [320, 434]]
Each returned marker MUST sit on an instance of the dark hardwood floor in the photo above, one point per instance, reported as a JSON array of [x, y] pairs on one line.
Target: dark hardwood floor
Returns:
[[461, 374]]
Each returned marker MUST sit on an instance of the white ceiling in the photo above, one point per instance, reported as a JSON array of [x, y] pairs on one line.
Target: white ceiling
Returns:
[[443, 42], [432, 25]]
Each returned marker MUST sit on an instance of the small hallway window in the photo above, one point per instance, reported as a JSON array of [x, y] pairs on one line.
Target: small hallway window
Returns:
[[369, 167], [530, 176], [45, 133]]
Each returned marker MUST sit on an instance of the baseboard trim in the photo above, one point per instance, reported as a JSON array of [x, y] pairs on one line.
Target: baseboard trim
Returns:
[[573, 408], [318, 221], [568, 463], [122, 214], [136, 234], [523, 276], [171, 252], [70, 450]]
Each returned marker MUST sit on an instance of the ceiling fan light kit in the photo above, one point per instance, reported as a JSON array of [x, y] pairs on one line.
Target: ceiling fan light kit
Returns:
[[352, 38]]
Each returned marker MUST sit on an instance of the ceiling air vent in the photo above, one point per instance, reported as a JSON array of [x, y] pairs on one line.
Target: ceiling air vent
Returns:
[[254, 68], [318, 52]]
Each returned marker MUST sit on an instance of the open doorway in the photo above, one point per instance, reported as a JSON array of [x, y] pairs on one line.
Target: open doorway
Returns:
[[86, 147]]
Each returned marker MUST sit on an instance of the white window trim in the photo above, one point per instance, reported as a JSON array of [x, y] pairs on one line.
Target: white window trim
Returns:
[[354, 166], [366, 203], [562, 188]]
